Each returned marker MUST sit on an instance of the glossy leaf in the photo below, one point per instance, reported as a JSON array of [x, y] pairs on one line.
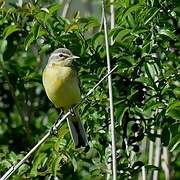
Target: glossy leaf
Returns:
[[165, 136], [36, 163], [174, 110], [9, 30], [167, 33], [28, 41], [55, 164]]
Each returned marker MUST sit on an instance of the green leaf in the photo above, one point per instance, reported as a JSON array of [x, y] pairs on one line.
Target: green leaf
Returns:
[[153, 105], [165, 136], [71, 27], [122, 34], [121, 109], [168, 33], [13, 157], [23, 169], [48, 144], [176, 91], [151, 17], [131, 21], [3, 45], [55, 164], [28, 41], [175, 128], [38, 160], [54, 8], [113, 32], [175, 143], [9, 30], [45, 48], [4, 164], [35, 30], [90, 22], [44, 10], [98, 39], [62, 132], [119, 33], [131, 8], [150, 72], [124, 63], [174, 110], [74, 162], [126, 3]]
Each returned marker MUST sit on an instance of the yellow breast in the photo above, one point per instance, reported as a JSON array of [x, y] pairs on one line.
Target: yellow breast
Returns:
[[61, 86]]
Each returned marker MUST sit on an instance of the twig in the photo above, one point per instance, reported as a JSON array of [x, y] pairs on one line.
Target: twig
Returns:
[[55, 126], [110, 96]]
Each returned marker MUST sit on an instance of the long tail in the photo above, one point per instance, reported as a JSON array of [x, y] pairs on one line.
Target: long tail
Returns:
[[77, 130]]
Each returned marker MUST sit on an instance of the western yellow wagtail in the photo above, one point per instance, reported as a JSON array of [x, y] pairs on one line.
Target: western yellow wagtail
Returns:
[[61, 84]]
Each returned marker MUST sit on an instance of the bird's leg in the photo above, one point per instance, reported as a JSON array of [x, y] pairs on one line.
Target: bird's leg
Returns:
[[71, 110], [53, 130]]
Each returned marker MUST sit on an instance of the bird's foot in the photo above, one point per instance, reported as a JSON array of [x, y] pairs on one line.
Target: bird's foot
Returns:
[[71, 110], [53, 131]]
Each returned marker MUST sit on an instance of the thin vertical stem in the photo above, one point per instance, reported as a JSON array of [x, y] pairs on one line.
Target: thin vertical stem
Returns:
[[157, 155], [66, 8], [166, 163], [151, 155], [151, 149], [112, 22], [110, 96], [143, 173], [112, 16]]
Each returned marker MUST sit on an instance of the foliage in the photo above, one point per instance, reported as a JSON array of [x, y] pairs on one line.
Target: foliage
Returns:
[[146, 87]]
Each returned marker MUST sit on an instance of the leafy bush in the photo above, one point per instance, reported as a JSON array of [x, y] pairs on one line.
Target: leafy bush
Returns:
[[146, 88]]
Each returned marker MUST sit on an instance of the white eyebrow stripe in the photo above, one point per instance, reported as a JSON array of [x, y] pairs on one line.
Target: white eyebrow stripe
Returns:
[[57, 54], [54, 55]]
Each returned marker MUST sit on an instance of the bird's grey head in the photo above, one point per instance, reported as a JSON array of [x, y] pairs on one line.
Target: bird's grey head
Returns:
[[61, 56]]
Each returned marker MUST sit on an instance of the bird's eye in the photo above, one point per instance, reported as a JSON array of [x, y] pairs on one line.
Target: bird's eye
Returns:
[[60, 55]]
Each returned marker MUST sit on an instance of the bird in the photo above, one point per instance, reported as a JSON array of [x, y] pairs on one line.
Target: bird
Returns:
[[61, 84]]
